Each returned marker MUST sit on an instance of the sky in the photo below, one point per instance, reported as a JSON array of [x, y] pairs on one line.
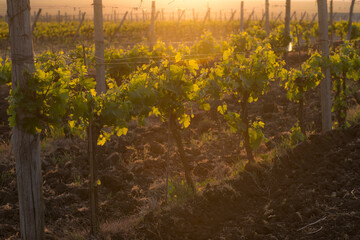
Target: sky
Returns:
[[71, 6]]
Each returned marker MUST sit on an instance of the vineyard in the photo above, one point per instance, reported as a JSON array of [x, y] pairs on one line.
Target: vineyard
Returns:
[[201, 130]]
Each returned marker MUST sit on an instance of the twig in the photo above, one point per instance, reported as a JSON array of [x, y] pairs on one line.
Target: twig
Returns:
[[310, 224], [315, 231]]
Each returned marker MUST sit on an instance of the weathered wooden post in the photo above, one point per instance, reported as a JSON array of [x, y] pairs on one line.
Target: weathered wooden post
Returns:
[[287, 20], [302, 17], [26, 146], [78, 29], [267, 20], [59, 17], [152, 25], [92, 131], [120, 25], [350, 19], [278, 17], [331, 20], [35, 20], [242, 16]]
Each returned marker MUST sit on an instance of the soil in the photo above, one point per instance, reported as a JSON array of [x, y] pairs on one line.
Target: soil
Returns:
[[311, 191]]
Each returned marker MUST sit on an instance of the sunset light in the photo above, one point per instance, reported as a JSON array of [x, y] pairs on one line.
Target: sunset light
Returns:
[[179, 119]]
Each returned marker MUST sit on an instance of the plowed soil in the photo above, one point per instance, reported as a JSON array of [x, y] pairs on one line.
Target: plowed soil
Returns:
[[311, 191]]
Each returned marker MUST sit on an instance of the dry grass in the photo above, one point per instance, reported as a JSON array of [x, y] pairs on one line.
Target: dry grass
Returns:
[[123, 226]]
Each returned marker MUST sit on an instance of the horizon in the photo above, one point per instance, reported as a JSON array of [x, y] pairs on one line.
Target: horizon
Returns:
[[68, 6]]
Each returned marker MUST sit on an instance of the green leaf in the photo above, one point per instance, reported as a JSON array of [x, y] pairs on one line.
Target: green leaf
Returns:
[[205, 106]]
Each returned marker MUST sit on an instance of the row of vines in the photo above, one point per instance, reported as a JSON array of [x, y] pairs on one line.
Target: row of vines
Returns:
[[184, 31], [170, 83]]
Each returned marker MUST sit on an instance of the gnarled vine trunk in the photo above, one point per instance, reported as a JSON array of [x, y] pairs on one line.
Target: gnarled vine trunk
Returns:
[[245, 117], [180, 146]]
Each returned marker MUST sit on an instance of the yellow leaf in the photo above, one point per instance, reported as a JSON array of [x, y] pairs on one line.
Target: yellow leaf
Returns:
[[93, 92], [165, 63], [193, 64], [195, 88], [101, 140], [98, 182], [178, 57], [227, 54], [222, 109], [155, 111], [122, 131], [185, 120], [71, 124]]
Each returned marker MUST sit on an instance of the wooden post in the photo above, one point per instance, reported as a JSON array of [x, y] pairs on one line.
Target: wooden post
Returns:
[[331, 20], [35, 20], [350, 19], [143, 11], [267, 16], [287, 17], [242, 16], [115, 15], [152, 25], [302, 17], [194, 15], [26, 146], [92, 131], [58, 17], [262, 18], [206, 15], [287, 22], [180, 17], [324, 49], [78, 29], [157, 15], [293, 15], [232, 16], [121, 23], [79, 15], [249, 18], [99, 47], [312, 21]]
